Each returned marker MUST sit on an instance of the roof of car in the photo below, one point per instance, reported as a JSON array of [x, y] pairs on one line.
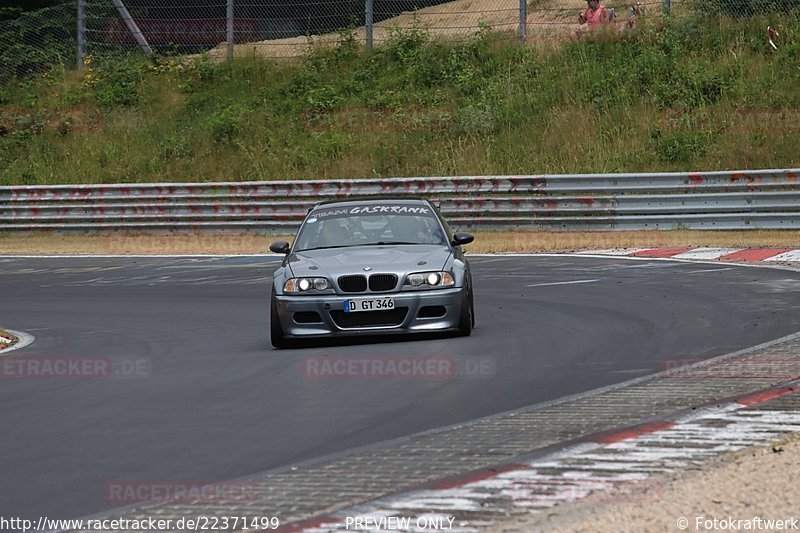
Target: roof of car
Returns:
[[373, 200]]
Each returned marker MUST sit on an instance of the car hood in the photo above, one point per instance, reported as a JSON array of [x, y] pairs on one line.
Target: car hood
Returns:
[[397, 259]]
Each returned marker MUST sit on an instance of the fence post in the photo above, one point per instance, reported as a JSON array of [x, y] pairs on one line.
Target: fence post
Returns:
[[133, 27], [523, 20], [81, 33], [368, 14], [667, 7], [229, 29]]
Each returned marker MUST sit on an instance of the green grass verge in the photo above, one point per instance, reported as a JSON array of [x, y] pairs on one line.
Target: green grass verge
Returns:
[[690, 95]]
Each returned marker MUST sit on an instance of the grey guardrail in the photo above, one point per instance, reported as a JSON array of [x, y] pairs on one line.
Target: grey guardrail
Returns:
[[762, 199]]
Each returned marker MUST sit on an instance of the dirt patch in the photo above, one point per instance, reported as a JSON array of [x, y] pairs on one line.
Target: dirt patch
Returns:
[[44, 243]]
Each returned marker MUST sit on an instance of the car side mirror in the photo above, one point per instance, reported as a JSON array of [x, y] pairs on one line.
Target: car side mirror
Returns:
[[280, 247], [462, 238]]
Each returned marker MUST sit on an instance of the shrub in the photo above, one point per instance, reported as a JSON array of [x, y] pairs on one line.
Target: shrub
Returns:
[[226, 125], [680, 146], [117, 84]]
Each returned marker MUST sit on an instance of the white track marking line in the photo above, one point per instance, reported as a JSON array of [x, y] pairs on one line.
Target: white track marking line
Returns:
[[563, 282], [709, 270], [706, 253], [614, 251]]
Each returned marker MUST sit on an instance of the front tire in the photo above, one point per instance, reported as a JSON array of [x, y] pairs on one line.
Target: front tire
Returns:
[[276, 331], [467, 319]]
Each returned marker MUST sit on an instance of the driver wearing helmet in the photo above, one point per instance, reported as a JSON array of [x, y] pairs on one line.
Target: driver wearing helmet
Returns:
[[333, 233], [407, 230]]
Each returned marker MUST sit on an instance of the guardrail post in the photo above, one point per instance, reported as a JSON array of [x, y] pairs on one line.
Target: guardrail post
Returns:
[[523, 20], [81, 33], [368, 25], [229, 29]]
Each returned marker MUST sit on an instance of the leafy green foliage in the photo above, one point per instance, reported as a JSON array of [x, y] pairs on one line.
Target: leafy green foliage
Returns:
[[226, 124], [37, 41], [118, 84]]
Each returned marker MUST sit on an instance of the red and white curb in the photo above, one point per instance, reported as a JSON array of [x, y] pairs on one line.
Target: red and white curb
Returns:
[[23, 340], [596, 466], [778, 255]]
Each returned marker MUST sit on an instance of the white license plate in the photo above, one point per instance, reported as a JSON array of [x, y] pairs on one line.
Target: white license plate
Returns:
[[368, 304]]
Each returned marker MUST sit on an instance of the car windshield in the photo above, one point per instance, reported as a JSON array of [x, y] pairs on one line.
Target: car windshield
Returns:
[[370, 225]]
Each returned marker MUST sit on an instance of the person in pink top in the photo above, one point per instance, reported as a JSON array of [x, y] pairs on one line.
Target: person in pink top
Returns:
[[594, 14], [591, 18]]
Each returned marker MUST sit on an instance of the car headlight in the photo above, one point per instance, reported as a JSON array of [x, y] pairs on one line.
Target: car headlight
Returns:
[[430, 279], [296, 285]]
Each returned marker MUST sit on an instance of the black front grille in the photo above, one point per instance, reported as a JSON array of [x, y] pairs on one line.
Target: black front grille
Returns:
[[382, 282], [369, 319], [353, 283]]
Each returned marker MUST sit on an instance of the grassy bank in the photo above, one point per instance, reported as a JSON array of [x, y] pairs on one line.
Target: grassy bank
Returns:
[[693, 95]]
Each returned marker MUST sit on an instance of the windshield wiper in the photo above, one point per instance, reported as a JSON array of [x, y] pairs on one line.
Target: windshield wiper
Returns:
[[379, 243], [329, 247]]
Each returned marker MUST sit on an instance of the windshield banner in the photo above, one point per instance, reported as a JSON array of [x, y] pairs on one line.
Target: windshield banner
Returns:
[[372, 209]]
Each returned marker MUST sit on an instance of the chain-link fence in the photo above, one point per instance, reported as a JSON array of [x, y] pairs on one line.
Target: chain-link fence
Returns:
[[283, 28], [280, 28], [38, 40]]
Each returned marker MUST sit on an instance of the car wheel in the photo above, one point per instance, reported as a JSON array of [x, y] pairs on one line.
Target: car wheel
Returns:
[[467, 318], [275, 330], [472, 308]]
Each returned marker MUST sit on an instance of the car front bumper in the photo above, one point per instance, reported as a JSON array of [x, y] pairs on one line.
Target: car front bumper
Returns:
[[443, 306]]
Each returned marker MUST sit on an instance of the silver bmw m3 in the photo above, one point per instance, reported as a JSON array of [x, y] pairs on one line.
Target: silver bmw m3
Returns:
[[371, 267]]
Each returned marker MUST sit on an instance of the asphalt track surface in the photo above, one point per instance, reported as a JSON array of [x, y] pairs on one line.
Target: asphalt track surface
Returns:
[[215, 402]]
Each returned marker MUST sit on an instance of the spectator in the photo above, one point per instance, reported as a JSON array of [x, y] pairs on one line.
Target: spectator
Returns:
[[591, 18], [594, 14], [634, 11]]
